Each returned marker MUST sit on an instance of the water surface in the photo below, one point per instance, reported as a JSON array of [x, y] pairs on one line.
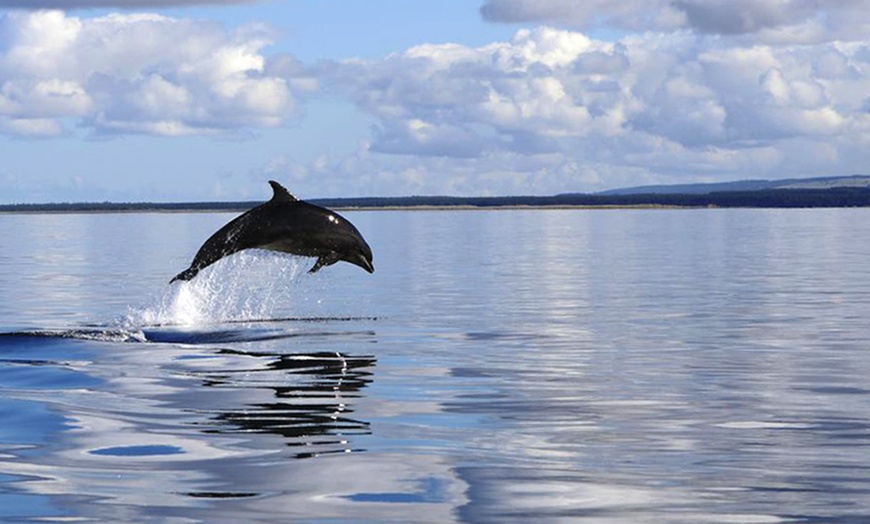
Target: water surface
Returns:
[[499, 366]]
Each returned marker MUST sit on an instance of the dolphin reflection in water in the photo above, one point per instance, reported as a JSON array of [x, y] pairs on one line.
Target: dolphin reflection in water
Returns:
[[288, 225], [312, 407]]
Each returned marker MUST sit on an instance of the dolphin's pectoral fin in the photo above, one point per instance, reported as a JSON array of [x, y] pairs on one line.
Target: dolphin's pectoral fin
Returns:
[[325, 260]]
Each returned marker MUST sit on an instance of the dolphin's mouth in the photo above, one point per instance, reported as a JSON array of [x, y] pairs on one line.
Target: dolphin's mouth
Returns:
[[363, 262]]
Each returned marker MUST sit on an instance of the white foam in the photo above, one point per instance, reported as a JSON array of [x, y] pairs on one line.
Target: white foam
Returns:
[[246, 286]]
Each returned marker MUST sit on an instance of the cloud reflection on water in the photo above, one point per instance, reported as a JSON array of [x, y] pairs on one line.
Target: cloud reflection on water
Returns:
[[173, 426], [610, 366]]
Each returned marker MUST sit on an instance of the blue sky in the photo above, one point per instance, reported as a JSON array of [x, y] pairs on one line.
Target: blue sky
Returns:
[[180, 100]]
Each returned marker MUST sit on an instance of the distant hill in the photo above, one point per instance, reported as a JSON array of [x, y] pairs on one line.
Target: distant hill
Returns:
[[831, 182]]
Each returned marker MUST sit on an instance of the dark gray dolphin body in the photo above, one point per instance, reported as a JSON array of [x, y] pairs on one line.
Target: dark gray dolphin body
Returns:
[[289, 225]]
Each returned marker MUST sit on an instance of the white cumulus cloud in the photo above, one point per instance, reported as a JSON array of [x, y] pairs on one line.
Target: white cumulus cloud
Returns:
[[136, 73], [579, 112], [783, 21]]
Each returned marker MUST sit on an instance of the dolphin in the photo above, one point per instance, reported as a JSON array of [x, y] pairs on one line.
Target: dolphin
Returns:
[[289, 225]]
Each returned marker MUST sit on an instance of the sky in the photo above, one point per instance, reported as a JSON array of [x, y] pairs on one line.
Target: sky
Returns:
[[193, 100]]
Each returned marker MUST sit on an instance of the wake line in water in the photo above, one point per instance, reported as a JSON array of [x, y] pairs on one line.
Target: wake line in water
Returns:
[[99, 335], [192, 337], [322, 319]]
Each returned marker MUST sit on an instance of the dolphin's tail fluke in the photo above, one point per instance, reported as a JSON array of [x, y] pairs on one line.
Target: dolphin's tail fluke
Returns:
[[185, 275]]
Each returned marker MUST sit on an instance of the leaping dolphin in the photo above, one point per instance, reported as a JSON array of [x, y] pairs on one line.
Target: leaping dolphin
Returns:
[[289, 225]]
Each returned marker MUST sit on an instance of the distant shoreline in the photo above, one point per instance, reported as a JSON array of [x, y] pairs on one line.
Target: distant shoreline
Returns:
[[765, 198], [53, 211]]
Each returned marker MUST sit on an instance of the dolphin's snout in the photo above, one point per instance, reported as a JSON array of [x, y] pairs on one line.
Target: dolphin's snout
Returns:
[[363, 262]]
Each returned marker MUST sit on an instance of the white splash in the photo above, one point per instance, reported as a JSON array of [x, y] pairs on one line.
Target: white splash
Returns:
[[250, 285]]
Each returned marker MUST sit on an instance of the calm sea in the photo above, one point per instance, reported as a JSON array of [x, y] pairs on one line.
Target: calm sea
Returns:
[[638, 366]]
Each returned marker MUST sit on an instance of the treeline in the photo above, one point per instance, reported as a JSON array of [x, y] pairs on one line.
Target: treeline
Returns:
[[119, 207], [768, 198], [777, 198]]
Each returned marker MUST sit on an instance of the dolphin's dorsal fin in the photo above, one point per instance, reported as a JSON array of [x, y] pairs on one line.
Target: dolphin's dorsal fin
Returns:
[[280, 193]]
